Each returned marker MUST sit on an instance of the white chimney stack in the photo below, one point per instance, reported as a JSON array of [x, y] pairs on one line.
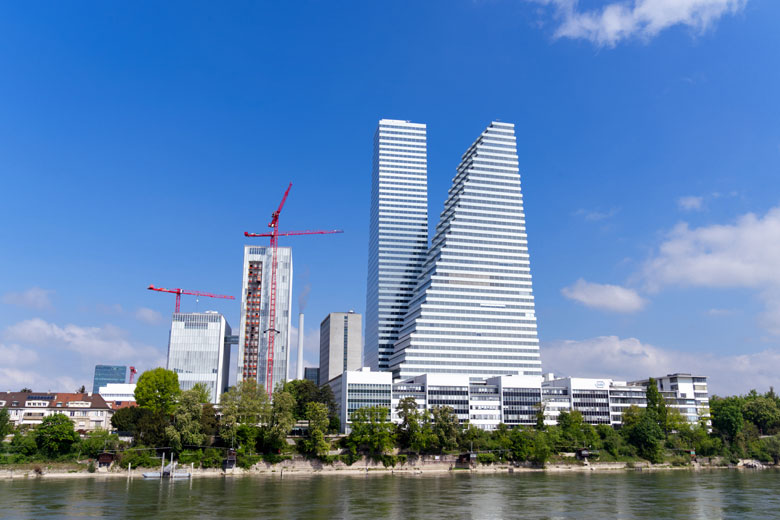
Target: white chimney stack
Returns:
[[300, 347]]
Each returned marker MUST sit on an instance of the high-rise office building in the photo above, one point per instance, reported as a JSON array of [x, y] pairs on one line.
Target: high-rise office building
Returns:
[[105, 374], [199, 351], [312, 374], [398, 233], [254, 329], [473, 308], [340, 344]]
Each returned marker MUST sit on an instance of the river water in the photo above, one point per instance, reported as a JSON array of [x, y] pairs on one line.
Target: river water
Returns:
[[667, 494]]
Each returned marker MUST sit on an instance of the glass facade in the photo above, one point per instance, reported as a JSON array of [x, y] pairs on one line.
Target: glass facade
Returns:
[[472, 311], [312, 374], [255, 302], [398, 233], [198, 352], [105, 374]]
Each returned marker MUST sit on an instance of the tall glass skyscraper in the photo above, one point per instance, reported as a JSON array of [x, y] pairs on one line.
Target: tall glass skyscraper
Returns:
[[255, 302], [398, 233], [473, 308], [105, 374], [198, 351]]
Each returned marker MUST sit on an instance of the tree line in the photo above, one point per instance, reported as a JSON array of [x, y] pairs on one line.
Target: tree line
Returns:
[[186, 425]]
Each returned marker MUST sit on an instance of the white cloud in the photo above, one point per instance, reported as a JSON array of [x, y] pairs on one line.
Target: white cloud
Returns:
[[594, 215], [149, 316], [33, 298], [742, 255], [607, 297], [630, 359], [690, 203], [99, 343], [14, 355], [644, 19]]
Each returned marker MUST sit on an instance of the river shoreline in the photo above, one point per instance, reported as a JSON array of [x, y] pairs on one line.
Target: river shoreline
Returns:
[[364, 467]]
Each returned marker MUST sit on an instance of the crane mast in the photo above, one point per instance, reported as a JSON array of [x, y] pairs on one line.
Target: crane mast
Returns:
[[271, 329]]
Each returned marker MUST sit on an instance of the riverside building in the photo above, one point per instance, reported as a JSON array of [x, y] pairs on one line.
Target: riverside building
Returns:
[[513, 400], [87, 411], [398, 233], [472, 310], [199, 351], [255, 301], [603, 401], [340, 344]]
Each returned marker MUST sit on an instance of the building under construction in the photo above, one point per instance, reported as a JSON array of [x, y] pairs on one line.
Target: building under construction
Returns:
[[255, 305]]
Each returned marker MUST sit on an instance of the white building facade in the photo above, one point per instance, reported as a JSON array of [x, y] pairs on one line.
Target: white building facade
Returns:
[[603, 401], [87, 411], [255, 303], [398, 233], [341, 344], [199, 352], [512, 400], [118, 393], [473, 307]]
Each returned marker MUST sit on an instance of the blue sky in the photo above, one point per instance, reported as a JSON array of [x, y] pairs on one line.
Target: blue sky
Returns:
[[138, 142]]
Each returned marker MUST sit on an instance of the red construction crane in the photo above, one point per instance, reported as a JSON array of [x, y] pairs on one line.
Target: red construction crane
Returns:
[[179, 292], [133, 372], [274, 235]]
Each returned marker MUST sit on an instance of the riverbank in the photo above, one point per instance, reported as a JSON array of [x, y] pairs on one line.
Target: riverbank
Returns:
[[367, 466]]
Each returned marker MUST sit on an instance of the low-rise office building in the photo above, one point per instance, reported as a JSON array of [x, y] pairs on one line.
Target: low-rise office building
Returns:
[[118, 395], [516, 400], [512, 400], [88, 411], [603, 401]]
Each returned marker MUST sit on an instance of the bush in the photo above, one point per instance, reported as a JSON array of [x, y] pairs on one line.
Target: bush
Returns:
[[388, 460], [91, 466], [245, 460], [212, 458], [275, 458], [191, 457], [486, 458], [349, 458], [139, 459]]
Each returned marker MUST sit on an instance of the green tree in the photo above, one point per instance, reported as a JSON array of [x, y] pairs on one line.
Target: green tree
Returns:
[[201, 391], [372, 430], [727, 416], [55, 435], [24, 443], [657, 403], [208, 420], [541, 450], [6, 426], [646, 435], [282, 421], [304, 392], [157, 390], [445, 426], [150, 429], [317, 415], [97, 442], [522, 444], [186, 428], [127, 419], [763, 412], [245, 403]]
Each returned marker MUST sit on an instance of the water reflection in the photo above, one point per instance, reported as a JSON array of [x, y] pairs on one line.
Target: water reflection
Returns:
[[678, 494]]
